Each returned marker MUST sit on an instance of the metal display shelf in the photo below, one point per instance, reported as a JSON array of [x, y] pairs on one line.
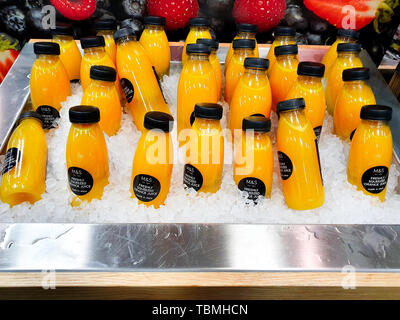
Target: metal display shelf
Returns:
[[310, 259]]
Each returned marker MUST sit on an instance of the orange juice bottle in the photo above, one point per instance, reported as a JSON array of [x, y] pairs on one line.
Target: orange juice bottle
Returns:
[[102, 93], [343, 36], [283, 73], [298, 157], [371, 151], [282, 36], [24, 171], [70, 55], [199, 29], [244, 31], [87, 157], [154, 40], [197, 83], [49, 82], [139, 80], [348, 57], [308, 85], [242, 49], [153, 161], [214, 61], [254, 160], [95, 55], [106, 29], [205, 153], [252, 94], [355, 94]]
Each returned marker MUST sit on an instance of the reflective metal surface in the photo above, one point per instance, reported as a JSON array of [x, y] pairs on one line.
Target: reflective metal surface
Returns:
[[198, 247]]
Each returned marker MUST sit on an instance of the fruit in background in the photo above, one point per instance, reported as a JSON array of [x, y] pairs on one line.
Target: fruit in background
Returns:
[[134, 8], [134, 24], [75, 9], [8, 54], [331, 11], [217, 8], [177, 13], [14, 19], [295, 17], [266, 14]]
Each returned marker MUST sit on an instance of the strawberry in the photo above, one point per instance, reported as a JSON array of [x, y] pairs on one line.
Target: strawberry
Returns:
[[364, 12], [75, 9], [7, 58], [266, 14], [177, 12]]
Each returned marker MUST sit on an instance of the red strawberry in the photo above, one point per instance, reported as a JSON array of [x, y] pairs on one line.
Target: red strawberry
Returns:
[[364, 11], [75, 9], [266, 14], [7, 58], [176, 12]]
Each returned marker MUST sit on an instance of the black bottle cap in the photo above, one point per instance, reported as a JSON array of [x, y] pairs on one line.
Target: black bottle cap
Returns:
[[155, 20], [244, 44], [208, 110], [348, 33], [105, 24], [92, 42], [84, 114], [208, 42], [198, 48], [258, 63], [312, 69], [284, 32], [103, 73], [354, 74], [292, 104], [46, 48], [257, 123], [286, 49], [376, 112], [247, 27], [199, 22], [63, 29], [124, 32], [349, 47], [30, 114], [158, 120]]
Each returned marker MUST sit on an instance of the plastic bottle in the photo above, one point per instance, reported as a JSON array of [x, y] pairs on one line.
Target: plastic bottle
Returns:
[[199, 29], [106, 28]]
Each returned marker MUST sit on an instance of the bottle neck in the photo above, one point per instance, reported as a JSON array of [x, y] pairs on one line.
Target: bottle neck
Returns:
[[96, 50], [246, 35], [284, 39], [348, 55], [355, 83], [308, 79], [105, 32], [63, 38], [243, 52], [33, 121], [84, 126], [255, 72], [102, 83], [152, 27], [375, 124], [287, 57], [126, 40], [296, 116], [48, 57], [199, 29], [346, 39], [198, 57]]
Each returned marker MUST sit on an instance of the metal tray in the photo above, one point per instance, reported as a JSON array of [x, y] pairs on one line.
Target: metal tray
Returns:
[[192, 247]]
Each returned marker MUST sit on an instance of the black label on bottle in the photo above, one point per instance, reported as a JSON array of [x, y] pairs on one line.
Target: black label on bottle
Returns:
[[253, 186], [192, 177], [80, 181], [352, 134], [146, 188], [374, 180], [159, 84], [129, 91], [317, 131], [50, 116], [319, 161], [285, 165], [13, 156]]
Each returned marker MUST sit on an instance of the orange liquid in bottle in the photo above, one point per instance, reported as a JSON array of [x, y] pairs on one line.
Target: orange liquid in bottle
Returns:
[[308, 85], [103, 94], [197, 83], [154, 40], [153, 161], [345, 60], [254, 160], [205, 153], [243, 48], [106, 29], [24, 170], [371, 152], [49, 82], [87, 156], [199, 29], [142, 89], [298, 158], [283, 73], [252, 94], [355, 94]]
